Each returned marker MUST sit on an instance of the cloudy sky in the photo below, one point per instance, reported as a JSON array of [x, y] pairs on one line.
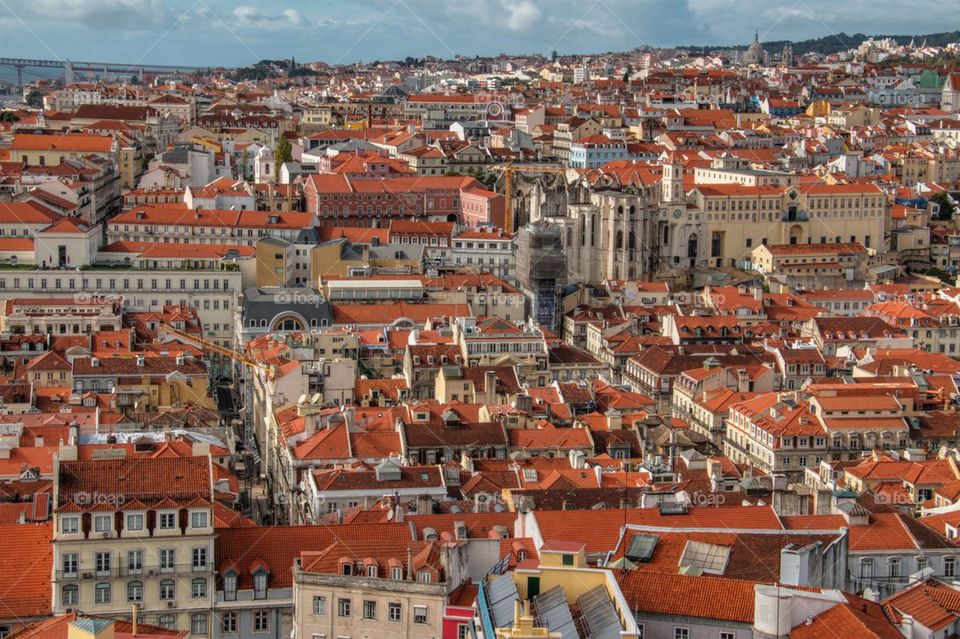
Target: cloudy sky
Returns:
[[237, 32]]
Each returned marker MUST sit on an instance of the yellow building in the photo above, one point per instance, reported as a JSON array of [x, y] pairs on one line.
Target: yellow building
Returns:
[[51, 150], [146, 384], [342, 258], [740, 218]]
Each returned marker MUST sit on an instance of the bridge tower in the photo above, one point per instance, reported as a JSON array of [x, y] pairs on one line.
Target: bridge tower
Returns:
[[68, 72]]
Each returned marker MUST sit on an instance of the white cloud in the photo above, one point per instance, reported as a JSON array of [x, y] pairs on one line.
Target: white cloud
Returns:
[[248, 17], [522, 15], [95, 14]]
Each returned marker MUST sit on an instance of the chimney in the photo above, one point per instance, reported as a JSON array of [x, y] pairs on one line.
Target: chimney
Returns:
[[490, 384], [410, 575]]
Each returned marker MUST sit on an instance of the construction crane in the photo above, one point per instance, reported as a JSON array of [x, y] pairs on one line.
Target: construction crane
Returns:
[[507, 170], [220, 350]]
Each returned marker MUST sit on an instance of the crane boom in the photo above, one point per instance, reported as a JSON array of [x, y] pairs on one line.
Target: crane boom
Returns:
[[220, 350]]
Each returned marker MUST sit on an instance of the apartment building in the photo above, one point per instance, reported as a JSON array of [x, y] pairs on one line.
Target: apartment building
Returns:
[[135, 534]]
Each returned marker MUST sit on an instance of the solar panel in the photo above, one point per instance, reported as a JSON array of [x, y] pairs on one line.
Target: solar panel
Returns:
[[502, 593], [641, 547], [599, 615], [710, 558], [554, 613]]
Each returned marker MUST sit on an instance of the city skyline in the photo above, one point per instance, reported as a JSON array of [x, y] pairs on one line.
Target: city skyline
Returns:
[[165, 31]]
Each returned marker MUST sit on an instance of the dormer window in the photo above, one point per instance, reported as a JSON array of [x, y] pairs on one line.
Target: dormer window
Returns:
[[135, 521], [167, 520], [260, 585], [346, 569], [396, 574], [230, 587], [371, 571], [424, 577], [198, 519], [102, 523], [69, 525]]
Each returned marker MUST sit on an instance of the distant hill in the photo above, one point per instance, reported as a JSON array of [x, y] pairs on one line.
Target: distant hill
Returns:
[[839, 42]]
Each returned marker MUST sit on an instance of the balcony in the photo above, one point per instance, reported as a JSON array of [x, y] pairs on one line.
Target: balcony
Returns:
[[792, 215], [124, 572]]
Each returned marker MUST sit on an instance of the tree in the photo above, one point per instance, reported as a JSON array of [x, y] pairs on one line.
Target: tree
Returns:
[[35, 99], [134, 79], [283, 153], [947, 206], [9, 116]]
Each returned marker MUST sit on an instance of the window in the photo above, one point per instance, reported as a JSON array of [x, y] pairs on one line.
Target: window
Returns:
[[71, 595], [70, 563], [396, 574], [135, 522], [168, 558], [424, 577], [369, 609], [101, 594], [198, 519], [260, 585], [728, 635], [393, 612], [343, 607], [419, 614], [168, 521], [681, 633], [135, 591], [230, 587], [639, 631], [168, 589], [167, 621], [69, 525], [198, 588], [261, 621], [103, 561], [103, 523], [198, 624], [229, 622], [568, 560], [319, 605], [463, 631], [199, 558], [134, 562], [893, 567], [949, 566], [866, 568]]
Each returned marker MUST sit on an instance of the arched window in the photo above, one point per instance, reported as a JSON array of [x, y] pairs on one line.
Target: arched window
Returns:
[[101, 594], [135, 591], [198, 588], [198, 624], [168, 589], [71, 595], [619, 239], [167, 621]]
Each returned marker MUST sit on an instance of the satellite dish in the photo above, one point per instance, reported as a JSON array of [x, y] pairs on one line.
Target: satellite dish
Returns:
[[302, 399], [316, 398]]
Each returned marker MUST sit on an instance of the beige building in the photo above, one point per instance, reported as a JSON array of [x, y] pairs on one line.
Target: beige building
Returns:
[[740, 218], [135, 533], [373, 588]]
